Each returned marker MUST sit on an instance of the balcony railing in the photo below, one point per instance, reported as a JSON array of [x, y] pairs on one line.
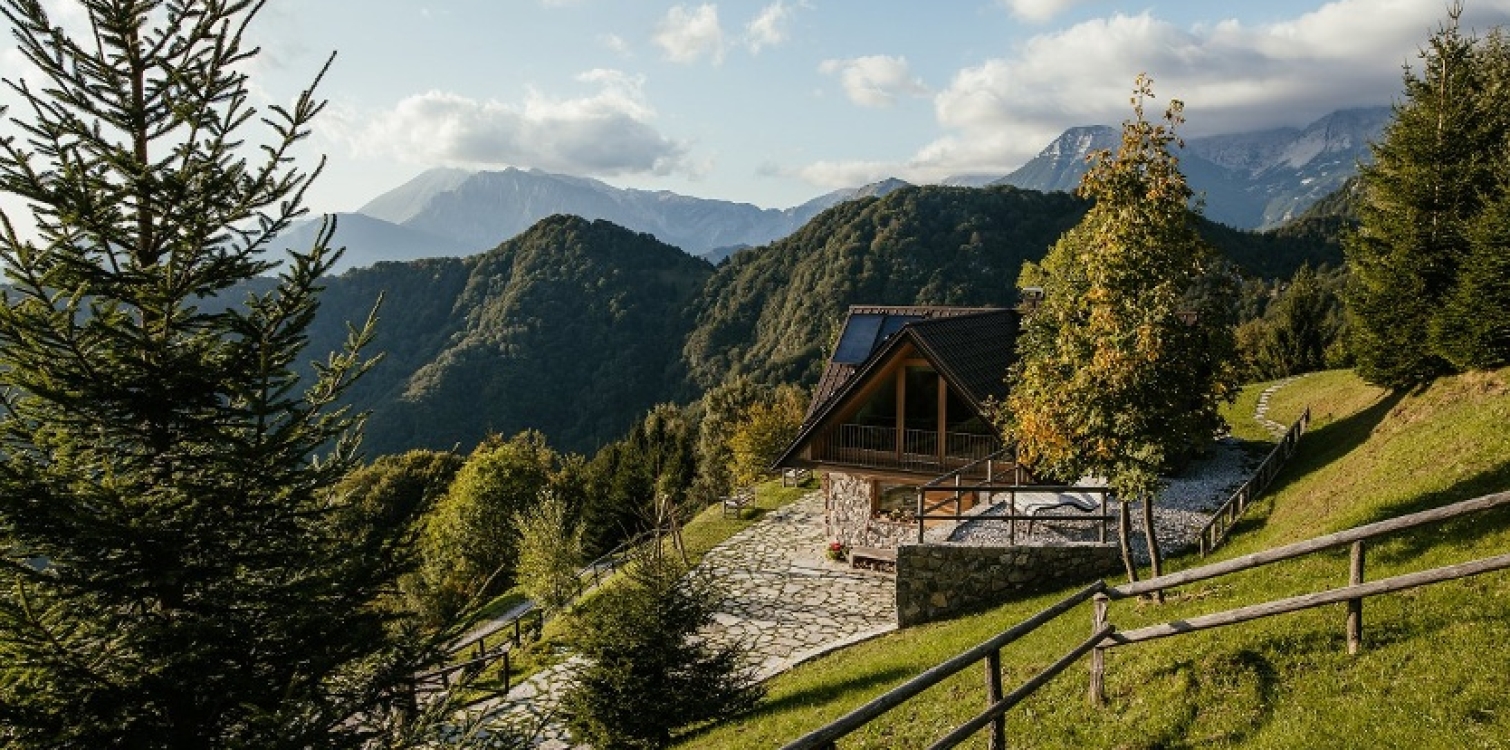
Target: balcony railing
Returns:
[[913, 450]]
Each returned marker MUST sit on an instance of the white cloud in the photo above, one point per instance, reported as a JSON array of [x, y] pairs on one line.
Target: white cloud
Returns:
[[1233, 77], [768, 29], [688, 35], [605, 133], [841, 174], [617, 44], [875, 80], [1039, 10]]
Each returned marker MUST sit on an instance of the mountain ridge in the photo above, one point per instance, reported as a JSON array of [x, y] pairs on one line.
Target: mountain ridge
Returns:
[[1251, 180]]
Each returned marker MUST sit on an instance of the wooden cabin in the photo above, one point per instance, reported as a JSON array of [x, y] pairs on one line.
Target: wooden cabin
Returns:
[[903, 400]]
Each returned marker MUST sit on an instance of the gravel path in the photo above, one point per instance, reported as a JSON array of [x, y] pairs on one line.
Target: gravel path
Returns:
[[1180, 510]]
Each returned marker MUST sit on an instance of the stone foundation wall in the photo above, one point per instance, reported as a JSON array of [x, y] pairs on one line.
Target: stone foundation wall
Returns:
[[937, 581], [847, 504]]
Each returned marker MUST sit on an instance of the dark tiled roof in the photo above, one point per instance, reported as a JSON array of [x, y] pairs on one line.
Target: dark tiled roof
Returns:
[[972, 352], [971, 347], [837, 374]]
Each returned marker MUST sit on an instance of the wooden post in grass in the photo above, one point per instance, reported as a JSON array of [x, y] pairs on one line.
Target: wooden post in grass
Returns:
[[1124, 536], [998, 739], [1355, 606], [507, 677], [1097, 693]]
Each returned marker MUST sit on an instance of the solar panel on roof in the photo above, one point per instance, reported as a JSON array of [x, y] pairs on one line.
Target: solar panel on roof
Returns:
[[893, 324], [863, 332], [858, 339]]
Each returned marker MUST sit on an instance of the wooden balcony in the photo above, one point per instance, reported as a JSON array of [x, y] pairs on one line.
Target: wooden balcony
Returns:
[[921, 451]]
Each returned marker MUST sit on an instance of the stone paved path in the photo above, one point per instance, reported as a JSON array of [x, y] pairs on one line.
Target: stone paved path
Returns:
[[784, 600], [1261, 411]]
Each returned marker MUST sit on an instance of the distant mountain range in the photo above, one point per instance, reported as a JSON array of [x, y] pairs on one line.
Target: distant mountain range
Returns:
[[449, 212], [1255, 180]]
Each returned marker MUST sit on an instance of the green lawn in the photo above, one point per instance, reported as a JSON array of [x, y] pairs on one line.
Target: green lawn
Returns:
[[1432, 674]]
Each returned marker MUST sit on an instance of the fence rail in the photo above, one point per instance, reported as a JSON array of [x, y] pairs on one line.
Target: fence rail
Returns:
[[1105, 635], [826, 736], [1215, 531], [479, 655]]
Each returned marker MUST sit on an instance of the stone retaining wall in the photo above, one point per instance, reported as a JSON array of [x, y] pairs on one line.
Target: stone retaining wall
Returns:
[[847, 517], [937, 581]]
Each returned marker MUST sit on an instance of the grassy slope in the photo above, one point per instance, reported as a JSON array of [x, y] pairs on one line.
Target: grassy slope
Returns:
[[1432, 673]]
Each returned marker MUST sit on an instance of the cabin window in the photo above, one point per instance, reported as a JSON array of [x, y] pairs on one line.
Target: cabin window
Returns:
[[959, 417], [922, 398], [880, 410]]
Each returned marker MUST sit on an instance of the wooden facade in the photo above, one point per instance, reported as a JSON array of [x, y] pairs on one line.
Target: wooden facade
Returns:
[[892, 413]]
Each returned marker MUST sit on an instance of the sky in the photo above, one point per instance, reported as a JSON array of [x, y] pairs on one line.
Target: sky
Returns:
[[773, 102]]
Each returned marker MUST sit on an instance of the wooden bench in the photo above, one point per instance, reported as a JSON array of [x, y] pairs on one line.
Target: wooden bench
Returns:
[[737, 502], [873, 558], [795, 477]]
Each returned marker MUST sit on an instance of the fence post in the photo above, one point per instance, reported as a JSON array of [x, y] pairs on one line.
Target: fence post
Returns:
[[1012, 511], [1101, 528], [993, 696], [1097, 693], [1124, 537], [1355, 606]]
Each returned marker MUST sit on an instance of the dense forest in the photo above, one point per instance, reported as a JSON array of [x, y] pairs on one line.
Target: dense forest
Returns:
[[572, 328], [577, 328]]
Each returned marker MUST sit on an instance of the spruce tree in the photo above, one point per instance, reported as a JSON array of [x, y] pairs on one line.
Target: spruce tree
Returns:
[[176, 571], [1437, 163], [1471, 330], [1121, 368], [1474, 324], [648, 672]]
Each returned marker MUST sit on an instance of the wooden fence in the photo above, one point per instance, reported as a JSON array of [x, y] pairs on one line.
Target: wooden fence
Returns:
[[1215, 531], [1010, 480], [471, 656], [1104, 635]]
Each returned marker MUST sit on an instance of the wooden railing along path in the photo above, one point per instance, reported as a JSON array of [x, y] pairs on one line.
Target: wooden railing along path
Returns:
[[1215, 531], [471, 655], [1104, 635]]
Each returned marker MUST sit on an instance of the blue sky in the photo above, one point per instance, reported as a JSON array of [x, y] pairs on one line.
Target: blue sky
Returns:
[[775, 101]]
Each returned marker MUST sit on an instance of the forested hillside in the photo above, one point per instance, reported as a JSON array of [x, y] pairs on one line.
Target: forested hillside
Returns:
[[772, 312], [571, 328], [576, 328]]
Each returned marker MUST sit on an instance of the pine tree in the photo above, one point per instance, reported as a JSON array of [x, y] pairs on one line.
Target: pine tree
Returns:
[[177, 572], [1433, 169], [1122, 366], [1472, 328], [1475, 321], [647, 671]]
